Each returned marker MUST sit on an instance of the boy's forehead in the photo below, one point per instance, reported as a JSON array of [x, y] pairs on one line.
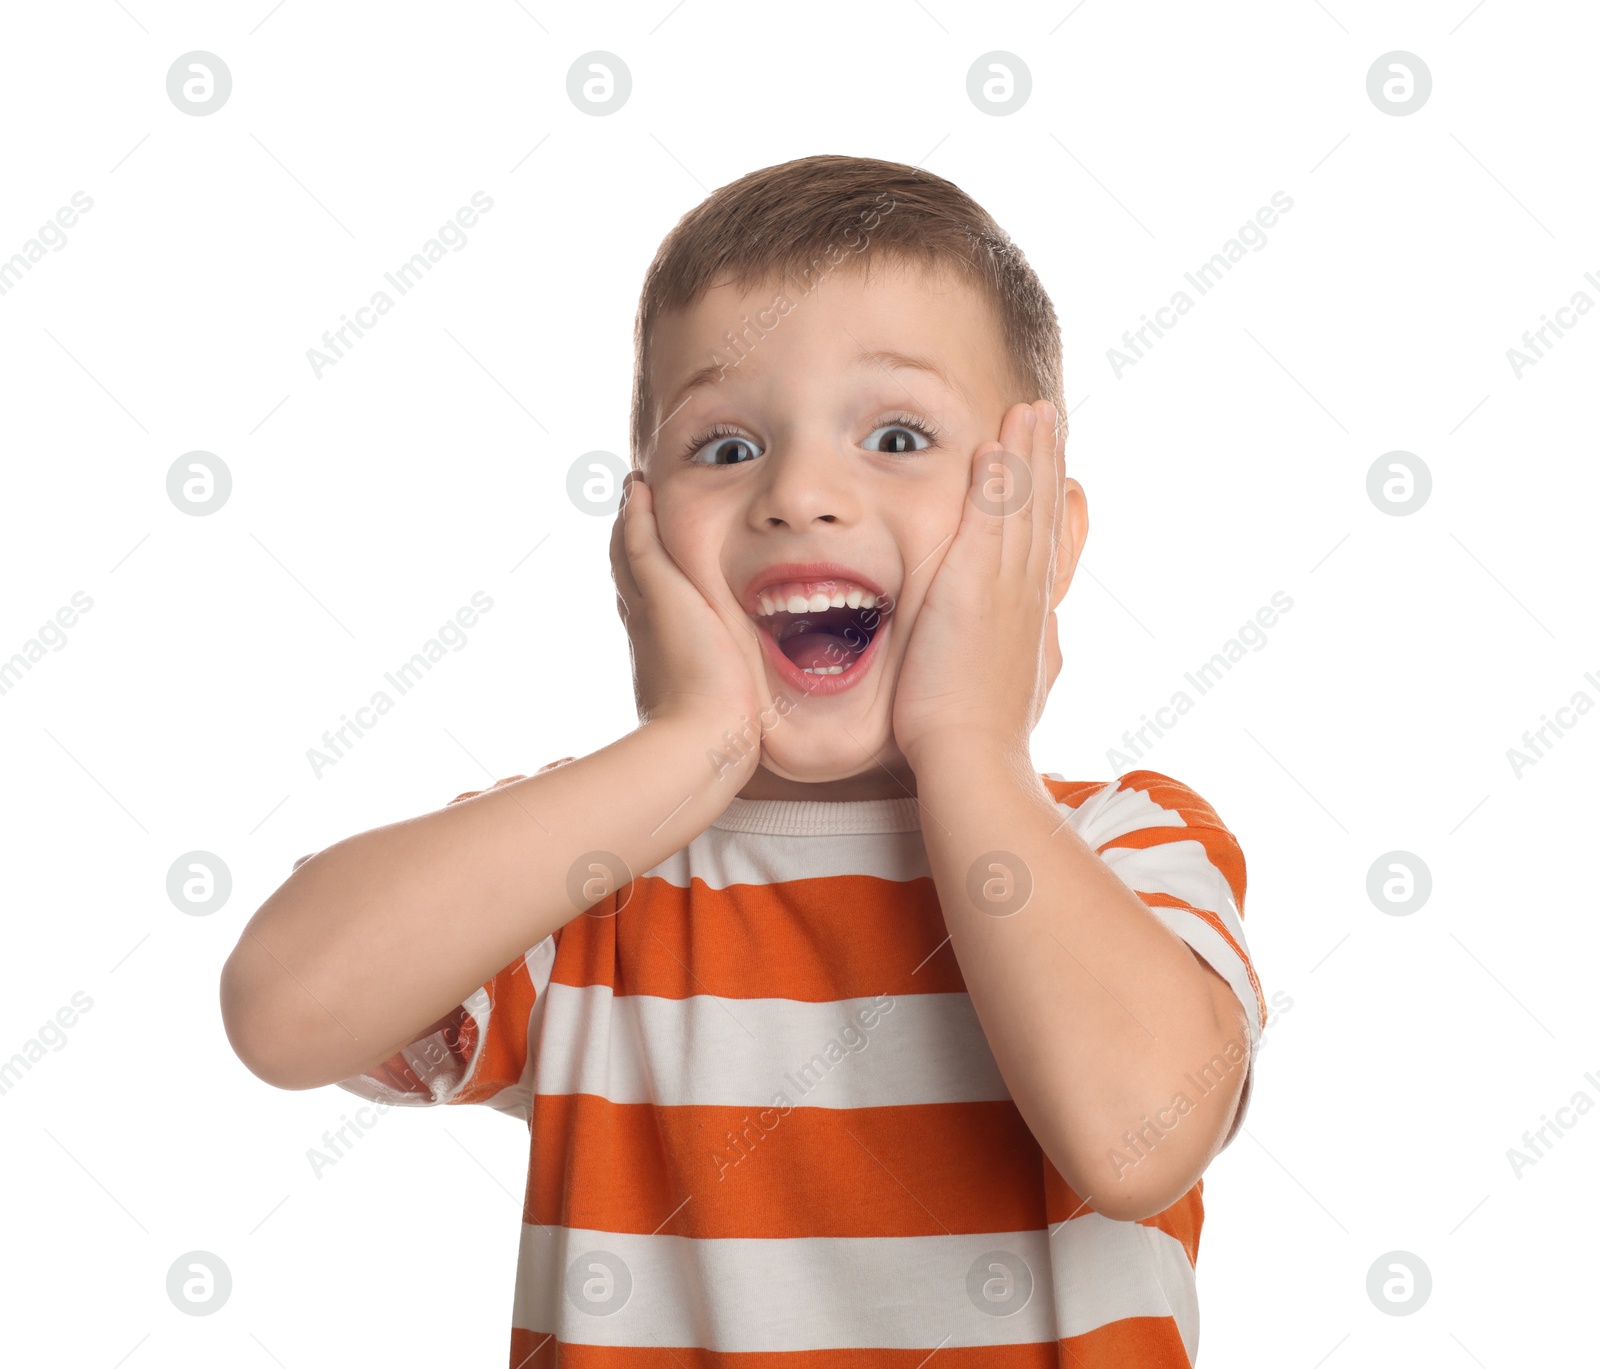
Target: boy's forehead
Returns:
[[910, 319]]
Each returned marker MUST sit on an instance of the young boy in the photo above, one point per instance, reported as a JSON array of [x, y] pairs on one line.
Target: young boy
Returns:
[[839, 1029]]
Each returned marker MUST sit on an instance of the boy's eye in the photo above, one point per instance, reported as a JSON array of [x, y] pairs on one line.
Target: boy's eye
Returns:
[[714, 446], [725, 446], [902, 439]]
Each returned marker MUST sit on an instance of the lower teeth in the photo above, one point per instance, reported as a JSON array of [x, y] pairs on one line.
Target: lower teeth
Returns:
[[822, 669]]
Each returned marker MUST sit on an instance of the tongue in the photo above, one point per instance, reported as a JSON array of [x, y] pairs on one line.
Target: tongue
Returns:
[[813, 650]]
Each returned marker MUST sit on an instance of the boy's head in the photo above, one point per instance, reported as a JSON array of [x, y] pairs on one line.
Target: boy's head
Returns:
[[830, 340]]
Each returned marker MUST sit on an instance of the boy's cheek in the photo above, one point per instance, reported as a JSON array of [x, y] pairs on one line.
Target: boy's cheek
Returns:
[[674, 521]]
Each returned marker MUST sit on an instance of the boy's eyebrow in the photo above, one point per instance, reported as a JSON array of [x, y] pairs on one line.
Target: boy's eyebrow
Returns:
[[885, 357]]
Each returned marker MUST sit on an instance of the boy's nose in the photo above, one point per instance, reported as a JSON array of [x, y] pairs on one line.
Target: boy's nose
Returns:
[[803, 487]]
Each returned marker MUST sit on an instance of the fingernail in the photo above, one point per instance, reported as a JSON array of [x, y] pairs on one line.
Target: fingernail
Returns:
[[1031, 418]]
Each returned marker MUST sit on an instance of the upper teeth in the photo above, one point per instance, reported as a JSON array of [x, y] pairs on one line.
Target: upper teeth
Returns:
[[810, 599]]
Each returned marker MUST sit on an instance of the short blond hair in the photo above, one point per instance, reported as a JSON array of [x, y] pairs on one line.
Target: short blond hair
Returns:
[[801, 219]]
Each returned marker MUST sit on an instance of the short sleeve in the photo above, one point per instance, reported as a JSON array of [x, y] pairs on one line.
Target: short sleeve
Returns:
[[480, 1052], [1168, 845]]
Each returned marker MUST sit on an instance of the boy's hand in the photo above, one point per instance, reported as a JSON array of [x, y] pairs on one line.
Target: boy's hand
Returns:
[[983, 651], [689, 655]]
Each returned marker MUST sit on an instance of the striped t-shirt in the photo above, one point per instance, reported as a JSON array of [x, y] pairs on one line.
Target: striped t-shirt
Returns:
[[766, 1127]]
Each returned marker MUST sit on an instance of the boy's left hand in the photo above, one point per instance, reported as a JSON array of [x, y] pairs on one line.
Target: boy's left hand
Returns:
[[983, 651]]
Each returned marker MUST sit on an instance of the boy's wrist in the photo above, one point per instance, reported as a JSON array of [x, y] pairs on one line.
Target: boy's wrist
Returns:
[[964, 748], [725, 743]]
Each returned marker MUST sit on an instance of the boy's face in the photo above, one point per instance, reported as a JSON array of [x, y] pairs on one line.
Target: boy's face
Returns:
[[809, 450]]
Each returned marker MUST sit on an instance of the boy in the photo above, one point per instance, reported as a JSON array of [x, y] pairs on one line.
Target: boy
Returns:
[[837, 1027]]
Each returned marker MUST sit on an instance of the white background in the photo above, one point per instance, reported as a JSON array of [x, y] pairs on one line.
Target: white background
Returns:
[[368, 505]]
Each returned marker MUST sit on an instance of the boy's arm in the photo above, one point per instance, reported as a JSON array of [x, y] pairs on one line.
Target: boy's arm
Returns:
[[1098, 1014], [385, 932]]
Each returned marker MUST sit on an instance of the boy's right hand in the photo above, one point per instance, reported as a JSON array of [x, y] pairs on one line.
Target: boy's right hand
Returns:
[[691, 656]]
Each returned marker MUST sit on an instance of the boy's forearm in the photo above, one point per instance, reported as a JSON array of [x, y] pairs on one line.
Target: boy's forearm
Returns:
[[376, 937], [1095, 1011]]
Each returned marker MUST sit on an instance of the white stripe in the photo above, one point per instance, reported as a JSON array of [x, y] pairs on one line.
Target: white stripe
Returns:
[[737, 1295], [1180, 868], [720, 858], [742, 1052]]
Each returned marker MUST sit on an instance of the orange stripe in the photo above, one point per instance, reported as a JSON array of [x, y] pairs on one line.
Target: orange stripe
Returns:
[[860, 936], [1201, 822], [505, 1046], [909, 1170], [1149, 1342]]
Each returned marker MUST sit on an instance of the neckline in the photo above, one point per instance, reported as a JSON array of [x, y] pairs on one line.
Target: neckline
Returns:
[[819, 817]]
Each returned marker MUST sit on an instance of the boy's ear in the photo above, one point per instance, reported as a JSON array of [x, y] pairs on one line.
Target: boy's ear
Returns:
[[1069, 547], [1073, 534]]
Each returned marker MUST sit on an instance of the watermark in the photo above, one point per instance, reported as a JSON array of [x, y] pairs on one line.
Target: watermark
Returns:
[[51, 635], [337, 742], [1252, 234], [1540, 1141], [1399, 1283], [340, 1141], [854, 639], [198, 883], [199, 483], [736, 746], [1399, 483], [52, 1036], [399, 1074], [741, 344], [594, 876], [598, 1283], [1538, 742], [803, 1079], [198, 1283], [1140, 1142], [999, 883], [1399, 83], [199, 83], [594, 482], [999, 1283], [1007, 485], [50, 235], [1278, 1005], [1398, 883], [1537, 341], [337, 342], [1251, 637], [599, 82], [999, 83]]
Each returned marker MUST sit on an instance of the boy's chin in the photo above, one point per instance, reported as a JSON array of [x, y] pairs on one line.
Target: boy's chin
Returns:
[[816, 760]]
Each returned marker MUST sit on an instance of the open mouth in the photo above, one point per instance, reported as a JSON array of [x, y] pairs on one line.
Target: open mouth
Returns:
[[821, 634]]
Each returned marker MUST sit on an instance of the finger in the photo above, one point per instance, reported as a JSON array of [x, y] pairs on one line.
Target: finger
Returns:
[[1047, 509], [1017, 532], [990, 491], [621, 572], [646, 559]]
